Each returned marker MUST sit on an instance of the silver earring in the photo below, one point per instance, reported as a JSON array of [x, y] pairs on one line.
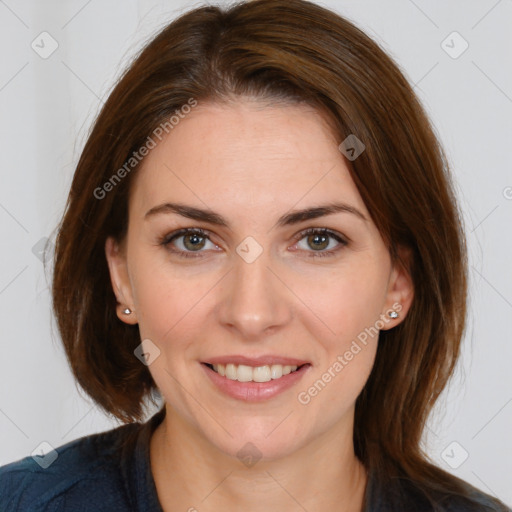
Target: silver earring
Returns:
[[393, 314], [127, 311]]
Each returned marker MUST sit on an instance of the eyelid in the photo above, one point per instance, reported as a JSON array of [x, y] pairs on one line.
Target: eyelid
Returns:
[[322, 231], [185, 231]]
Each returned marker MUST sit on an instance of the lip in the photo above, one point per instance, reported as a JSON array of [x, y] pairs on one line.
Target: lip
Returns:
[[256, 361], [255, 391]]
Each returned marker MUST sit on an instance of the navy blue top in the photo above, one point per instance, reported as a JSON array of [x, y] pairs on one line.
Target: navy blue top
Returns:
[[111, 471]]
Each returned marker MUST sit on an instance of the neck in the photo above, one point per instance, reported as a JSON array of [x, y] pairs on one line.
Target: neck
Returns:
[[193, 475]]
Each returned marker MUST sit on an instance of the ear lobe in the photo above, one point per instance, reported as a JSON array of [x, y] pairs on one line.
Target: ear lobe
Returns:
[[400, 290], [120, 281]]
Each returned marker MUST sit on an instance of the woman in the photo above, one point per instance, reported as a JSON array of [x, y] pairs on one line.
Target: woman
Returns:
[[262, 229]]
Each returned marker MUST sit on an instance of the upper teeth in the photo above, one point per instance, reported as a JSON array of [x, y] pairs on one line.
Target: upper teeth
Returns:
[[245, 373]]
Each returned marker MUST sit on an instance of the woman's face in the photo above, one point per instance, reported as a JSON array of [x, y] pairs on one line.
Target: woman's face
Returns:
[[254, 289]]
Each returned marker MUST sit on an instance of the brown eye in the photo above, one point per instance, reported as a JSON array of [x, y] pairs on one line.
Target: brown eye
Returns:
[[193, 242], [188, 242], [318, 242]]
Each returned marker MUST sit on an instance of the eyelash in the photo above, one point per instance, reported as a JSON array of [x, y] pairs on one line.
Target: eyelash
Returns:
[[166, 241]]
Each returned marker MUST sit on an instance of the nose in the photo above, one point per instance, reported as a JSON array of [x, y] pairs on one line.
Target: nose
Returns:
[[255, 303]]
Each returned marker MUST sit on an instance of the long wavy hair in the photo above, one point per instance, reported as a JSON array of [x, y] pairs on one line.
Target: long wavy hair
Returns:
[[297, 52]]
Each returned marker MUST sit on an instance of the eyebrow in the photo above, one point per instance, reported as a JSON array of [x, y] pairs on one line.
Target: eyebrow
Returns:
[[288, 219]]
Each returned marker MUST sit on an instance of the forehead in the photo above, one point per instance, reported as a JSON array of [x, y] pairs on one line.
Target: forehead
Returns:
[[245, 154]]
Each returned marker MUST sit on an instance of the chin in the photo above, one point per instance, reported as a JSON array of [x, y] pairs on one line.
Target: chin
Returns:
[[259, 442]]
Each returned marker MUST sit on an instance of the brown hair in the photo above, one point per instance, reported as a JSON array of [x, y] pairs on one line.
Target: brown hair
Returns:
[[295, 51]]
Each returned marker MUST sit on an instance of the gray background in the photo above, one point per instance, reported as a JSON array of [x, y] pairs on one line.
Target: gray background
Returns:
[[48, 104]]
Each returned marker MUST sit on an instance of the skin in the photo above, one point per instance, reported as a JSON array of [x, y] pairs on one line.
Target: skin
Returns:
[[252, 163]]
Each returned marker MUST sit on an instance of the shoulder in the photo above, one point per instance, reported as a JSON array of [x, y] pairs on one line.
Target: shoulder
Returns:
[[402, 493], [475, 501], [82, 475], [472, 500]]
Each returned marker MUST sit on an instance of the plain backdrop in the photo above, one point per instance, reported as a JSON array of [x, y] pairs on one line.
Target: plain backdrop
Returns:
[[47, 104]]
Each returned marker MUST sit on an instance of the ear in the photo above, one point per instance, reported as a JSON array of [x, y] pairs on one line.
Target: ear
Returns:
[[116, 259], [400, 291]]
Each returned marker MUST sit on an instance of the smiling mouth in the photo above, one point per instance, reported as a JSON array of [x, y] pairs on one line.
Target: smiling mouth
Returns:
[[244, 373]]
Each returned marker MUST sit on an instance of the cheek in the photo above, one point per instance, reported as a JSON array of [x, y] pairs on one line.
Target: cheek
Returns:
[[346, 308], [349, 307], [346, 301], [168, 299]]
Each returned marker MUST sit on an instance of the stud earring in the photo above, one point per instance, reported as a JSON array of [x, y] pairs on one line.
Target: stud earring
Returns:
[[393, 314], [127, 311]]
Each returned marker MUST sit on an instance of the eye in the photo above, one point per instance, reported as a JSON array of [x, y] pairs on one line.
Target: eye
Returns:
[[190, 242], [320, 239], [186, 242]]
